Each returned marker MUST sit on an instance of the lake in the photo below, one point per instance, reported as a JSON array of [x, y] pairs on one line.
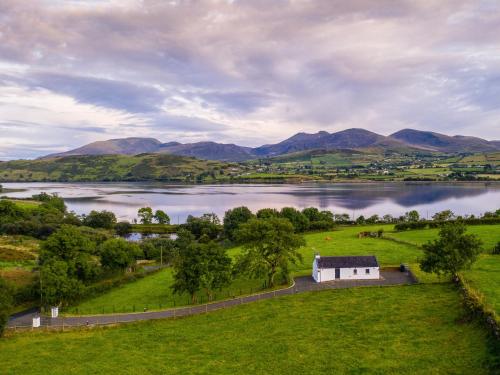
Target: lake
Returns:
[[179, 201]]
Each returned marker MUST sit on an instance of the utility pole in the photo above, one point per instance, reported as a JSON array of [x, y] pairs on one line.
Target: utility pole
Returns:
[[161, 256]]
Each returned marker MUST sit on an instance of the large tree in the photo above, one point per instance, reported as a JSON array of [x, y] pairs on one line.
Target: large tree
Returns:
[[299, 221], [161, 217], [217, 270], [5, 304], [207, 226], [76, 249], [269, 245], [100, 219], [145, 215], [233, 218], [454, 250], [201, 266], [119, 254], [58, 286]]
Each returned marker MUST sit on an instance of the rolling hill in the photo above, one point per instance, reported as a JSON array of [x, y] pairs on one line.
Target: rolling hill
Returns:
[[407, 140], [142, 167], [444, 143]]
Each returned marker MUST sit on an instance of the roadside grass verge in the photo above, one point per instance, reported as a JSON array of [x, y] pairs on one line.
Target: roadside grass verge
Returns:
[[154, 292], [388, 330]]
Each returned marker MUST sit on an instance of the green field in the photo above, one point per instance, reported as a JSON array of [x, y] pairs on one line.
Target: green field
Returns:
[[154, 291], [489, 234], [392, 330], [485, 277]]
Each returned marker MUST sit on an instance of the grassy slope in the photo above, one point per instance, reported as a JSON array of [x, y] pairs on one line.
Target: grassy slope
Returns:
[[392, 330], [108, 168], [17, 258], [154, 293]]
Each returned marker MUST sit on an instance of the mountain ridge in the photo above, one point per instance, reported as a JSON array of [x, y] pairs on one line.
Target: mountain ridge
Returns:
[[354, 138]]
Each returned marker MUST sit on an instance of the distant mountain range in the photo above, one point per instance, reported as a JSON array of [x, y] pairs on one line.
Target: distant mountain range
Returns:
[[403, 140]]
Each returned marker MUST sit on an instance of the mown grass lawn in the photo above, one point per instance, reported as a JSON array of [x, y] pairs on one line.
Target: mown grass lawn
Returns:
[[489, 234], [393, 330]]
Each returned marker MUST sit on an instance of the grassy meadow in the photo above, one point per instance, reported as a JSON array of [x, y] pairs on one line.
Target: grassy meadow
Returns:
[[388, 330], [489, 234]]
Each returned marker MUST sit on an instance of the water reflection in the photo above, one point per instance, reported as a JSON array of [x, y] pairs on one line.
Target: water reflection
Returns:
[[179, 201]]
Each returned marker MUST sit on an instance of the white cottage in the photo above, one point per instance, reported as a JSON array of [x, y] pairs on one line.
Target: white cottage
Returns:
[[345, 268]]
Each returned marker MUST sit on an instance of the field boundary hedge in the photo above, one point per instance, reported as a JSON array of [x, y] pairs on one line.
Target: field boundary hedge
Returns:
[[476, 305]]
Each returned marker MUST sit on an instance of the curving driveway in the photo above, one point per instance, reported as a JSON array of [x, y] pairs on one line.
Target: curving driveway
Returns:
[[301, 284]]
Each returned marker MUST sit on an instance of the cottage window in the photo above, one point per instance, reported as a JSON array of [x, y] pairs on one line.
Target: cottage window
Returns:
[[355, 271], [367, 271]]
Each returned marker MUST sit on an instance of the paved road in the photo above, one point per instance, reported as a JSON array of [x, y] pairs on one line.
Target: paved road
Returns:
[[302, 284]]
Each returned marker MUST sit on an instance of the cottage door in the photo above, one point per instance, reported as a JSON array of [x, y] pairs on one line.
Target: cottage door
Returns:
[[337, 273]]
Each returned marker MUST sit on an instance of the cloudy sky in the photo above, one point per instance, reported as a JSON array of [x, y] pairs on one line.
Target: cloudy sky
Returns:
[[245, 72]]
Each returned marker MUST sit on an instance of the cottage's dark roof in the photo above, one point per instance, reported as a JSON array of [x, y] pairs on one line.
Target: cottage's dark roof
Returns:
[[347, 262]]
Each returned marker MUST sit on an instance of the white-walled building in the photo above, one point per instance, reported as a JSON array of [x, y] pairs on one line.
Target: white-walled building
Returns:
[[345, 268]]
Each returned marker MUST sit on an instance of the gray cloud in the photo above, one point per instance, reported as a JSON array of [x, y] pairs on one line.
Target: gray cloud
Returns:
[[101, 92], [260, 70]]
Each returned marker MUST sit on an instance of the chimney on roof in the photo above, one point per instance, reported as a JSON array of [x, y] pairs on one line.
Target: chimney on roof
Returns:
[[317, 256]]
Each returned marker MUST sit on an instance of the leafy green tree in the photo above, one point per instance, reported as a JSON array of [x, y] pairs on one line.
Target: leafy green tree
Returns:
[[388, 219], [299, 221], [145, 215], [161, 217], [201, 266], [70, 245], [6, 302], [217, 270], [208, 225], [189, 268], [454, 250], [318, 220], [443, 215], [373, 219], [341, 218], [58, 286], [266, 213], [233, 218], [360, 220], [269, 245], [412, 216], [100, 219], [66, 244], [119, 254]]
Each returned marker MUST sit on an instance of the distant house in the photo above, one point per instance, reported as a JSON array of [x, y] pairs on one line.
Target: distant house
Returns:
[[345, 268]]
